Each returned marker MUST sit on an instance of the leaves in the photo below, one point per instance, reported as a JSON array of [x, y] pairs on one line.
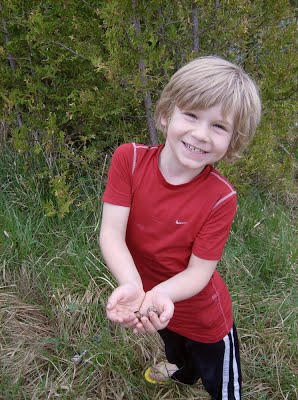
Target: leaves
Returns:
[[78, 88]]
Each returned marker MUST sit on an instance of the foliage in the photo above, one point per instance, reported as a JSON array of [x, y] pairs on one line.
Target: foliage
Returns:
[[54, 286], [72, 89]]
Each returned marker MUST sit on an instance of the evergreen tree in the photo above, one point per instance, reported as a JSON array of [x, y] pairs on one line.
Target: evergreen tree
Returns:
[[80, 77]]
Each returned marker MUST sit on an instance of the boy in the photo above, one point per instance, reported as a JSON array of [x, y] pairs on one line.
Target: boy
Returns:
[[166, 217]]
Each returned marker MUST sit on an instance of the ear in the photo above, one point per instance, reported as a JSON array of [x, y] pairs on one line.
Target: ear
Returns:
[[164, 122]]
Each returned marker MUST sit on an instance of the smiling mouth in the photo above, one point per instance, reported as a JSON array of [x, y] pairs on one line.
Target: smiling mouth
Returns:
[[194, 148]]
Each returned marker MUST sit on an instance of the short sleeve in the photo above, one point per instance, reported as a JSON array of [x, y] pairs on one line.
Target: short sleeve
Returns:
[[210, 241], [119, 184]]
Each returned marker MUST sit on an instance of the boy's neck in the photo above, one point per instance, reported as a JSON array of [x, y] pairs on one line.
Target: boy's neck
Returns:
[[174, 174]]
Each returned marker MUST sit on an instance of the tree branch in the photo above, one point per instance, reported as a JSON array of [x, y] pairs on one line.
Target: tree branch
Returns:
[[12, 64], [142, 69], [195, 28], [63, 46]]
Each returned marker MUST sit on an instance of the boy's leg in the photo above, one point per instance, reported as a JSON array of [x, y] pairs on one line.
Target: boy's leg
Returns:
[[174, 347], [218, 365], [177, 353]]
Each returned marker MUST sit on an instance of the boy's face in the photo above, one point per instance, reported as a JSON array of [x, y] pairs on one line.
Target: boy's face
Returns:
[[197, 138]]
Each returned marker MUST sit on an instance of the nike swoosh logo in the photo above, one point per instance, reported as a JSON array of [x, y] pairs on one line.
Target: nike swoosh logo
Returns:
[[180, 222]]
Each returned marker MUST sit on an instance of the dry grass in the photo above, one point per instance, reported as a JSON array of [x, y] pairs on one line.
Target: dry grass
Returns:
[[38, 351], [55, 340], [24, 328], [38, 345], [24, 335], [4, 133], [268, 348]]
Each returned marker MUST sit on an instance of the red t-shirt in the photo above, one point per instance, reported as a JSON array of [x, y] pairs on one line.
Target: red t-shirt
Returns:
[[167, 223]]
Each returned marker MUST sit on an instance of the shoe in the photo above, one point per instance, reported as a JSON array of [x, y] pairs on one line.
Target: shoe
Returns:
[[160, 373]]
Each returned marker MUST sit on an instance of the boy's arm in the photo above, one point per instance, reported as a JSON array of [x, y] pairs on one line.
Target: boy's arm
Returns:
[[189, 282], [129, 295], [127, 298], [113, 245], [182, 286]]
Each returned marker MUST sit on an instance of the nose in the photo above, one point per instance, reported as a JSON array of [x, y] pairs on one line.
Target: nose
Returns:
[[200, 132]]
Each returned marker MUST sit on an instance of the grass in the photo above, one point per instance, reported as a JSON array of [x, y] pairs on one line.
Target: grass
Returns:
[[54, 285]]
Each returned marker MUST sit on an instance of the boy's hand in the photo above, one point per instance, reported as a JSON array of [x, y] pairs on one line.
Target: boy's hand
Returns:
[[123, 303], [156, 311]]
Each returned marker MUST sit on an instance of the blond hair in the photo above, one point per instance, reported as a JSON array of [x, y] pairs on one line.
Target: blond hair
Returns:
[[209, 81]]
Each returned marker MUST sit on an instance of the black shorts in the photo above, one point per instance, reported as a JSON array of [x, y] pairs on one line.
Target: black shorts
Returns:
[[217, 364]]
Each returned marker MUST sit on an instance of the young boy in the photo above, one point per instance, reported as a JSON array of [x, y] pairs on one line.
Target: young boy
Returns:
[[166, 217]]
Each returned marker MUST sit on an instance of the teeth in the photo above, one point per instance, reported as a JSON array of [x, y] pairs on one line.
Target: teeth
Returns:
[[190, 147], [193, 148]]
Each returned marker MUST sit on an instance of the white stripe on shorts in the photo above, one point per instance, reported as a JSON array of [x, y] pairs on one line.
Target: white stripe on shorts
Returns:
[[229, 341], [226, 368], [235, 370]]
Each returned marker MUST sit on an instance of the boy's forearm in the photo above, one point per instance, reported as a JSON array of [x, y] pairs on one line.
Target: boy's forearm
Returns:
[[187, 283], [118, 259]]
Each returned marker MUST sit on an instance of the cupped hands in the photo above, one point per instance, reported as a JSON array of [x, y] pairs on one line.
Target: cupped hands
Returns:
[[143, 312], [155, 312], [125, 300]]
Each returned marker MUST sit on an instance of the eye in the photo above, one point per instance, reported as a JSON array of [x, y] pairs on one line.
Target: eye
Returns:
[[220, 127], [191, 115]]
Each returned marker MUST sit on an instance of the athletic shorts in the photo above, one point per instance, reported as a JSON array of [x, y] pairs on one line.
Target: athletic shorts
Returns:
[[216, 364]]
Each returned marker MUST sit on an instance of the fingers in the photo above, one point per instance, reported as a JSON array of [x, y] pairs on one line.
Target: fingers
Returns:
[[144, 326], [113, 316], [131, 323], [167, 313], [121, 306], [158, 316], [155, 310], [150, 324], [114, 299], [158, 322], [126, 319], [139, 328]]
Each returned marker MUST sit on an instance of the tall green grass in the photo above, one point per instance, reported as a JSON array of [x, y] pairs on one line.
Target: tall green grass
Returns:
[[54, 285]]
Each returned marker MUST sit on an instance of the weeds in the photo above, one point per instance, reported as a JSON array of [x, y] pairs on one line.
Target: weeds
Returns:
[[55, 339]]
